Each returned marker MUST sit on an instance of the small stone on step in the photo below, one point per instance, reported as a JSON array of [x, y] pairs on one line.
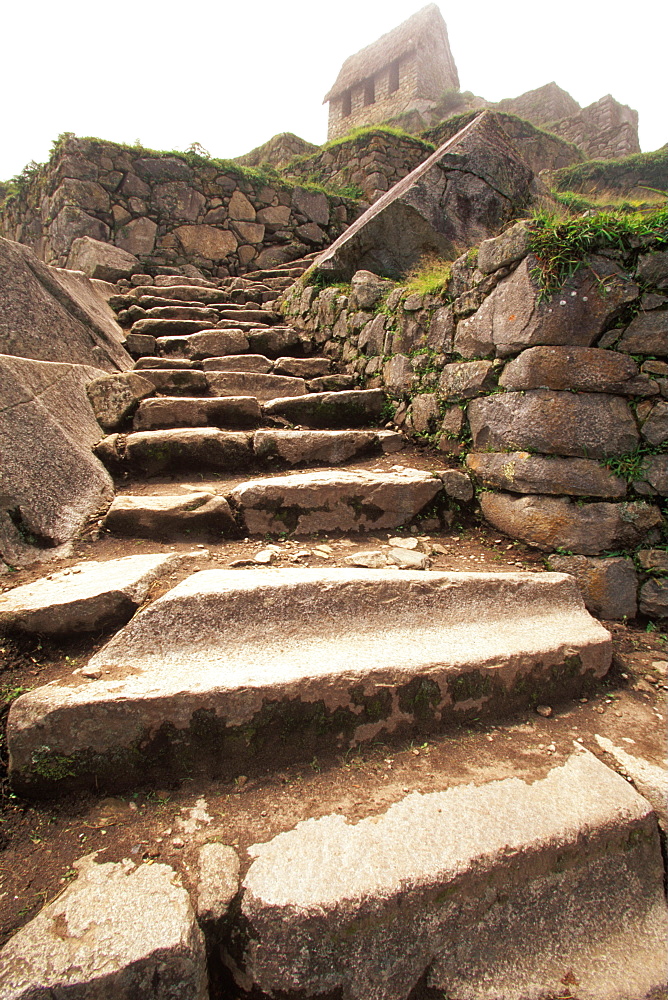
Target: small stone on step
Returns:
[[544, 710], [264, 557], [404, 543]]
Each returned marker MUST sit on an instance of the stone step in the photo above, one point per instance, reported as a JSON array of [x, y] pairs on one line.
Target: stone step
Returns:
[[153, 449], [160, 302], [352, 408], [205, 343], [237, 669], [241, 363], [169, 327], [168, 280], [250, 315], [223, 411], [172, 517], [499, 891], [185, 293], [177, 381], [180, 312], [151, 362], [308, 368], [263, 387], [334, 500]]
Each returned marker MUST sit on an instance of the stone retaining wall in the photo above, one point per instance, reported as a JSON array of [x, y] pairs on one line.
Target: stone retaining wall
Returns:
[[169, 210], [373, 162], [537, 397]]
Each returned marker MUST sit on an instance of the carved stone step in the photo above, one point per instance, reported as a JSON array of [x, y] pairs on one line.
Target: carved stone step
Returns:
[[263, 387], [224, 411], [170, 517], [235, 669], [354, 408], [498, 890]]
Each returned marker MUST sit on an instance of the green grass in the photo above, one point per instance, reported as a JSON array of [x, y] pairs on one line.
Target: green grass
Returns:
[[561, 245], [369, 131], [430, 277], [611, 201], [649, 169]]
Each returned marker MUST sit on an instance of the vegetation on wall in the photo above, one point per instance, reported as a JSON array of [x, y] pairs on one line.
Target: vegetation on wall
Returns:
[[640, 169]]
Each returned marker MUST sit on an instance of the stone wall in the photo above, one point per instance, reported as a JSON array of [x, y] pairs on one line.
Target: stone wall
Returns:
[[534, 396], [605, 130], [374, 100], [372, 163], [168, 210]]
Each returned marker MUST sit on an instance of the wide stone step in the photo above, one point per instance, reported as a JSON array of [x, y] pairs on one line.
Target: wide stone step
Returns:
[[241, 363], [169, 327], [250, 315], [501, 891], [334, 501], [263, 387], [184, 293], [177, 381], [178, 312], [160, 302], [186, 444], [352, 408], [235, 670], [171, 517], [206, 343], [223, 411]]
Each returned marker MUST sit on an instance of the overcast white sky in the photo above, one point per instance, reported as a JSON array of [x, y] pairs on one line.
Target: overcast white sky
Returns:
[[229, 75]]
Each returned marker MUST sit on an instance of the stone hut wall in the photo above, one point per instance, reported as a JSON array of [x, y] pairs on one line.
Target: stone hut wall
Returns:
[[605, 130], [535, 397], [169, 211], [372, 163], [355, 107]]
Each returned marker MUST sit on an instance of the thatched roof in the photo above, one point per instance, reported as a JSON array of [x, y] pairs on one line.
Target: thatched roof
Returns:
[[395, 44]]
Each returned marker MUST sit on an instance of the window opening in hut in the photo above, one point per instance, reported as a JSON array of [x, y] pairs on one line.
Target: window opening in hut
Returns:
[[369, 92], [346, 103], [394, 76]]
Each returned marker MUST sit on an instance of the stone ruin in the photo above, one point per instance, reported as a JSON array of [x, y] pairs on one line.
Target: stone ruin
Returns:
[[409, 78], [235, 359]]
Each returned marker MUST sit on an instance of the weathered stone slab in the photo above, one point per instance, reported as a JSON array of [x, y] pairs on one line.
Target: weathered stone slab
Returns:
[[520, 472], [318, 447], [654, 475], [85, 597], [167, 327], [654, 598], [647, 334], [180, 515], [368, 908], [655, 426], [334, 501], [555, 523], [224, 411], [50, 482], [264, 387], [504, 249], [586, 369], [464, 380], [609, 586], [581, 425], [217, 884], [114, 398], [48, 314], [101, 260], [176, 381], [461, 194], [355, 408], [653, 269], [167, 363], [650, 780], [116, 931], [152, 452], [239, 363], [346, 666], [216, 343], [185, 293], [274, 342], [182, 312], [302, 367], [512, 317]]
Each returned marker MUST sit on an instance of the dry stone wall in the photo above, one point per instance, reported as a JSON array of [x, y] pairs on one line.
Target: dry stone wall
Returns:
[[372, 163], [557, 407], [169, 211]]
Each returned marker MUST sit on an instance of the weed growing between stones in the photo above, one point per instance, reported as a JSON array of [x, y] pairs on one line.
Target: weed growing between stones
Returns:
[[561, 246], [646, 169], [430, 277]]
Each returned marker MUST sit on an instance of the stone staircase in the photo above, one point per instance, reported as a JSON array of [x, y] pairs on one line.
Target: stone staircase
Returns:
[[496, 892]]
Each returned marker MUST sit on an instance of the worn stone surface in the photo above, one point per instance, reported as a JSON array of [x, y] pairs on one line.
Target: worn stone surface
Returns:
[[116, 931], [157, 451], [654, 475], [274, 342], [457, 484], [224, 411], [504, 249], [609, 586], [165, 516], [203, 671], [464, 380], [302, 367], [461, 194], [264, 387], [512, 318], [356, 408], [653, 559], [581, 425], [240, 363], [53, 315], [101, 260], [520, 472], [215, 343], [218, 882], [653, 268], [646, 334], [50, 482], [331, 501], [369, 908], [650, 780], [555, 523], [84, 597], [368, 559], [367, 289], [655, 427], [207, 241], [654, 598], [114, 398], [586, 369], [176, 381], [318, 447]]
